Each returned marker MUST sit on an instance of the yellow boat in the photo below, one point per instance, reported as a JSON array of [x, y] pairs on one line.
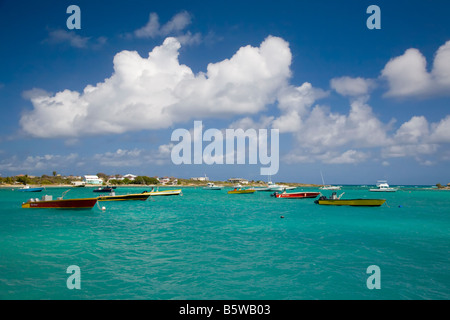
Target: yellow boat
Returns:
[[241, 191]]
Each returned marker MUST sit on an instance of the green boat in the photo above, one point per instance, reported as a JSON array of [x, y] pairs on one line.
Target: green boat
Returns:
[[337, 201]]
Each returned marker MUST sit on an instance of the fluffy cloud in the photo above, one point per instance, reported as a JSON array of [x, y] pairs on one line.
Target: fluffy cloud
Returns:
[[407, 74], [295, 103], [120, 158], [441, 131], [417, 137], [73, 39], [158, 91], [325, 129], [248, 123], [133, 158], [353, 87], [332, 137], [349, 156], [44, 162], [153, 28], [412, 131], [173, 27]]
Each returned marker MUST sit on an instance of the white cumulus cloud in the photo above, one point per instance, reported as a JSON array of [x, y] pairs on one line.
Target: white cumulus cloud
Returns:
[[158, 91], [407, 75], [348, 86]]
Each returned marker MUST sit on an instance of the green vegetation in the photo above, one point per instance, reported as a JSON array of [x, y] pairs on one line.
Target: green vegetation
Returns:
[[138, 180], [57, 179], [43, 180], [145, 180]]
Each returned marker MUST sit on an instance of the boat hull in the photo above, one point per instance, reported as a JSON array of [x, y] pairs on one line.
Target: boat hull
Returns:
[[262, 189], [138, 196], [297, 195], [382, 186], [86, 203], [330, 188], [248, 191], [31, 189], [351, 202], [106, 189], [165, 193], [280, 188]]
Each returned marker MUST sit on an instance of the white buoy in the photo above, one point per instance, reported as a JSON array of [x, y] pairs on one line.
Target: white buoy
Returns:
[[103, 208]]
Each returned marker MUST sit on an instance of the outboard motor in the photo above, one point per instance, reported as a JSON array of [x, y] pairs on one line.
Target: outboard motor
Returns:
[[320, 198]]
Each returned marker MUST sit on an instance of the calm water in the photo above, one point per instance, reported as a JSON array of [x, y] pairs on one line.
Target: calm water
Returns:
[[210, 245]]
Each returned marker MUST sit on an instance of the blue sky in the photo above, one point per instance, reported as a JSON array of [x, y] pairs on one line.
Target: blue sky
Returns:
[[357, 104]]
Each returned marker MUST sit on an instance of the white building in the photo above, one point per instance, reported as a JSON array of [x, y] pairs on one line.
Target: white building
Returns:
[[205, 178], [238, 180], [164, 180], [129, 176], [92, 179]]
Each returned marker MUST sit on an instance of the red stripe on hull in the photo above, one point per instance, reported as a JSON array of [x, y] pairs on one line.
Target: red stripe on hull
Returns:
[[63, 204], [298, 195]]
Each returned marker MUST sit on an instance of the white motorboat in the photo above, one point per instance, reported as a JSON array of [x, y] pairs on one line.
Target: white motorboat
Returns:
[[271, 186], [278, 187], [382, 186], [212, 186]]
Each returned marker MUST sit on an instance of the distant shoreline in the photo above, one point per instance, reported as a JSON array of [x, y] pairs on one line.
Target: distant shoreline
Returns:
[[224, 184], [188, 185]]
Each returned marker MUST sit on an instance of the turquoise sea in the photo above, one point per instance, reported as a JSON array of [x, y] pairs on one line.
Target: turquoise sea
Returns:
[[207, 245]]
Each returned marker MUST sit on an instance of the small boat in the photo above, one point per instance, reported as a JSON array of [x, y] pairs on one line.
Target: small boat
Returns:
[[79, 185], [278, 187], [113, 197], [241, 191], [382, 186], [212, 186], [164, 192], [295, 195], [60, 203], [29, 189], [263, 189], [104, 189], [337, 201], [328, 187]]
